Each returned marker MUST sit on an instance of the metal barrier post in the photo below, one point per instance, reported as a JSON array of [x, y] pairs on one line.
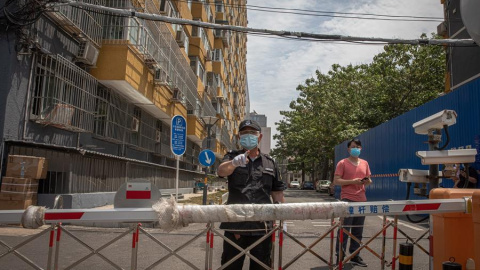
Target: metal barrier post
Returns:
[[207, 249], [332, 235], [210, 260], [280, 245], [135, 247], [340, 244], [272, 253], [394, 250], [384, 239], [57, 245], [50, 247]]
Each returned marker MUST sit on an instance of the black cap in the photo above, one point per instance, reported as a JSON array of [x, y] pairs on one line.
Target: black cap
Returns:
[[250, 123]]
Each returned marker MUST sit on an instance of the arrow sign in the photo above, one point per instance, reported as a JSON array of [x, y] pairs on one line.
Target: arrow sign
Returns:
[[206, 157]]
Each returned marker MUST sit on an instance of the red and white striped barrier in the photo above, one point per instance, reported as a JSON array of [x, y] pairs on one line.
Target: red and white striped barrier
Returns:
[[232, 213]]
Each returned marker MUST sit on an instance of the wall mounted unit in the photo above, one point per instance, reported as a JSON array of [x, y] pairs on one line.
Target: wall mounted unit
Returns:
[[177, 96], [87, 53], [180, 38], [160, 77]]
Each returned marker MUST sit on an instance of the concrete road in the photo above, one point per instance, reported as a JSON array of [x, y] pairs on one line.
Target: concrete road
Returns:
[[119, 252]]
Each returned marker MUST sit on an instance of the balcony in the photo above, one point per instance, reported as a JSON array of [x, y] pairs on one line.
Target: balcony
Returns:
[[80, 23], [63, 95], [212, 85], [134, 52]]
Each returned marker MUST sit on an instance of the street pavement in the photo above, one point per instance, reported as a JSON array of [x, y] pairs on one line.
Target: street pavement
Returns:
[[150, 251]]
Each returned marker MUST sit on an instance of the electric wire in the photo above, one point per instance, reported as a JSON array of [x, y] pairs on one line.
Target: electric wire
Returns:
[[303, 35], [328, 13]]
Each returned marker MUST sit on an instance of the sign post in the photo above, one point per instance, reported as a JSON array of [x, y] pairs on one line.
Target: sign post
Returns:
[[178, 143], [207, 159]]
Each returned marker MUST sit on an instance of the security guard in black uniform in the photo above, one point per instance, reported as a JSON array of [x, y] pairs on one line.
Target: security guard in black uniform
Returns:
[[252, 179]]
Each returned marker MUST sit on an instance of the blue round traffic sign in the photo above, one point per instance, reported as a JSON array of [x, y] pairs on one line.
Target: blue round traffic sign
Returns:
[[179, 135], [206, 157]]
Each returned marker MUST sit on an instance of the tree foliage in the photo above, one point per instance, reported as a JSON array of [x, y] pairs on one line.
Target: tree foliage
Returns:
[[348, 100]]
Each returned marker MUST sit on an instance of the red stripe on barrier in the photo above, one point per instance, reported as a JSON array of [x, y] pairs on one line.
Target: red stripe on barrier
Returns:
[[421, 207], [138, 194], [59, 216]]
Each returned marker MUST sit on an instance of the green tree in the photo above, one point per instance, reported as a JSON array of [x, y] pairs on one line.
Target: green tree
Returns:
[[348, 100]]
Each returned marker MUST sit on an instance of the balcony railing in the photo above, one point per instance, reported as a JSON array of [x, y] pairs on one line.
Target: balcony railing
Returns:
[[208, 109], [63, 95], [82, 23], [153, 42]]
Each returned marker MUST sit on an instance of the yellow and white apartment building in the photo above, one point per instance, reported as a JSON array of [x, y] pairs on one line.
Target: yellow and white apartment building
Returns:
[[94, 92]]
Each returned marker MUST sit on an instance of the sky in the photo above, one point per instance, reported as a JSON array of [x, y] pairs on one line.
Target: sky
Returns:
[[275, 67]]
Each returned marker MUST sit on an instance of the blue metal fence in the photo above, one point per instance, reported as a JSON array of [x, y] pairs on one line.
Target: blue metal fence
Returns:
[[392, 145]]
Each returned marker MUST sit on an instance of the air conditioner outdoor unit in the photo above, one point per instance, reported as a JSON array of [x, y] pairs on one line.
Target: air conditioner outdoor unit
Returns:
[[158, 136], [177, 95], [135, 124], [160, 77], [181, 38], [87, 53]]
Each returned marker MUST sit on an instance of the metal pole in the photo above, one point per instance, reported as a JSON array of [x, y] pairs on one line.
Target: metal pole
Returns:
[[176, 178], [205, 187], [434, 137]]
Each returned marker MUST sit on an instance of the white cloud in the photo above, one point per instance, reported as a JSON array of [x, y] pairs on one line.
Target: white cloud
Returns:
[[275, 66]]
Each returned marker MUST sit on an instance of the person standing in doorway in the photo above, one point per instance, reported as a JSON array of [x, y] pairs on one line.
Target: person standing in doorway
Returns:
[[352, 175], [252, 179]]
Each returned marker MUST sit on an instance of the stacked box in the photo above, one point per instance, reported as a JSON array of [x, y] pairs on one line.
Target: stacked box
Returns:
[[18, 193], [27, 167], [20, 185]]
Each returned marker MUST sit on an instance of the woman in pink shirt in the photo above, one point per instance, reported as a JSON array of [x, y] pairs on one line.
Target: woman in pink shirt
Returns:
[[353, 175]]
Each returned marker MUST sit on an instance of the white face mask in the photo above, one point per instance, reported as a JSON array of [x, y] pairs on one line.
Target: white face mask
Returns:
[[248, 141]]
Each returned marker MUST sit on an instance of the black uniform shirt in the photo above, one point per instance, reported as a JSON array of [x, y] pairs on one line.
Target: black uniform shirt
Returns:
[[252, 184]]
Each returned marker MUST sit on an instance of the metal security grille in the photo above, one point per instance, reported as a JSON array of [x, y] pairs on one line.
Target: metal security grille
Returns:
[[110, 115], [63, 95], [81, 22]]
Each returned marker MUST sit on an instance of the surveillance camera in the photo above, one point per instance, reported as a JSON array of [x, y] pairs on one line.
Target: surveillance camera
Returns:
[[447, 156], [436, 121], [414, 176]]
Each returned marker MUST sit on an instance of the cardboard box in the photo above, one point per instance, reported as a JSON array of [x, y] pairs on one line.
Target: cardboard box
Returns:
[[23, 181], [17, 196], [14, 205], [25, 188], [26, 167]]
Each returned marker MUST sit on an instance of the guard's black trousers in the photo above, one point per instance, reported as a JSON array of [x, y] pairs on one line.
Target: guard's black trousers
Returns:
[[261, 251]]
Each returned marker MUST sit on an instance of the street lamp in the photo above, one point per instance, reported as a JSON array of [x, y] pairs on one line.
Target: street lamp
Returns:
[[209, 122]]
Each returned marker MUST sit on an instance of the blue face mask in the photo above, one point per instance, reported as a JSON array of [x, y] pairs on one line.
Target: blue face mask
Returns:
[[248, 141], [355, 152]]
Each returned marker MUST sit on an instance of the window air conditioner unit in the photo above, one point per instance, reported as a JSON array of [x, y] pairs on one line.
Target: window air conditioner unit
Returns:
[[160, 77], [158, 136], [177, 95], [135, 124], [181, 38], [87, 53]]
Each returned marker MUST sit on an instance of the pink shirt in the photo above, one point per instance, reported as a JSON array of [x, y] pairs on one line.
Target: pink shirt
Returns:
[[347, 171]]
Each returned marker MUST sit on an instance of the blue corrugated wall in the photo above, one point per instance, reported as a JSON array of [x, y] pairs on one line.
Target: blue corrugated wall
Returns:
[[392, 145]]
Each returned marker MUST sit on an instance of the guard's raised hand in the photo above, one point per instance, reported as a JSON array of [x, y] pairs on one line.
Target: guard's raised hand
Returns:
[[240, 160]]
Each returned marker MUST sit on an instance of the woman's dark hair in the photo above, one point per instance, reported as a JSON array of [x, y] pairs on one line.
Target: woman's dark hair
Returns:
[[356, 141]]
